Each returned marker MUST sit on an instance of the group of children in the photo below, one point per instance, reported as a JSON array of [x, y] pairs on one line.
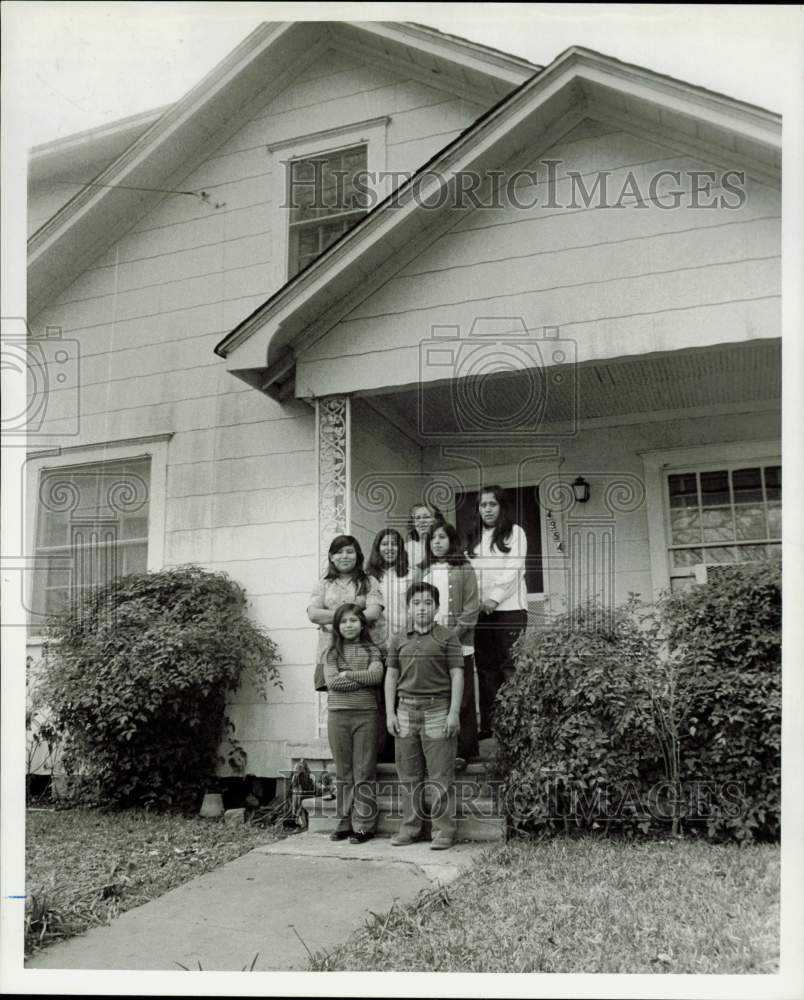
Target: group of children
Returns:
[[402, 637]]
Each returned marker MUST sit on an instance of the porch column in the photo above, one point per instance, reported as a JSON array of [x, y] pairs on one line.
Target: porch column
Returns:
[[333, 477]]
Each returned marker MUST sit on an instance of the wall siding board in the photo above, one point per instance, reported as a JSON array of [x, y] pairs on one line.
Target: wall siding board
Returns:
[[612, 336], [701, 249], [391, 461]]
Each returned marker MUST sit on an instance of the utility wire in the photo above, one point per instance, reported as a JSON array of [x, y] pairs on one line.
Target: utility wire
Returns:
[[123, 187]]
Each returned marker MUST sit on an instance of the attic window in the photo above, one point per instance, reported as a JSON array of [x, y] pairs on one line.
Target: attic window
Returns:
[[327, 196]]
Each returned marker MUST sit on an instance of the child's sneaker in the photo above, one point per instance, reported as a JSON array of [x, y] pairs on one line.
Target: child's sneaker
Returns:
[[441, 844], [402, 840]]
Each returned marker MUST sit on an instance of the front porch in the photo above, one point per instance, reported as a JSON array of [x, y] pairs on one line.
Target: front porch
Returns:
[[378, 453]]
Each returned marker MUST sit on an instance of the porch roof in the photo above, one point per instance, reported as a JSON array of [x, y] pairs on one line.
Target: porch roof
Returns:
[[262, 350], [727, 378]]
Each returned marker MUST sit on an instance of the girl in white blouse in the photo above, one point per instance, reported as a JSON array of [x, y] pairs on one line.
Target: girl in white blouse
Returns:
[[446, 567], [498, 549], [389, 565]]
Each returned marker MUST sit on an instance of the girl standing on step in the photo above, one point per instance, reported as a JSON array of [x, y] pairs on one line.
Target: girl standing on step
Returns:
[[497, 548], [345, 582], [422, 519], [388, 565], [446, 567], [353, 671]]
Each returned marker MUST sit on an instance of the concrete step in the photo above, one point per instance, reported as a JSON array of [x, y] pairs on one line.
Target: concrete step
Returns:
[[479, 819], [479, 829], [474, 780], [476, 770], [391, 804]]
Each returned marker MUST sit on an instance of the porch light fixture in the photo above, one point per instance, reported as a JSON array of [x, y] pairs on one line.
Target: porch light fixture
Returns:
[[580, 489]]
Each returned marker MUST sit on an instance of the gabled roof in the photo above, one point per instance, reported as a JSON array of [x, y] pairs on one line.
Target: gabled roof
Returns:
[[98, 145], [265, 62], [579, 83]]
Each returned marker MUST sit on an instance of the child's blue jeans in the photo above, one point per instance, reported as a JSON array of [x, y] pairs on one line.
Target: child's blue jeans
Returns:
[[353, 739], [423, 751]]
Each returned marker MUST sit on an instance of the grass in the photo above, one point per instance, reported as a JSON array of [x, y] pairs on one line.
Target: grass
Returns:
[[585, 905], [83, 866]]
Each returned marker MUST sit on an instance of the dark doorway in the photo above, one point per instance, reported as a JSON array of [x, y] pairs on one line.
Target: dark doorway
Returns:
[[523, 503]]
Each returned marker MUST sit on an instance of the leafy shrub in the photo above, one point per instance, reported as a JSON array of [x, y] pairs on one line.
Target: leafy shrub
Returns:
[[575, 725], [727, 639], [42, 741], [137, 682], [669, 715]]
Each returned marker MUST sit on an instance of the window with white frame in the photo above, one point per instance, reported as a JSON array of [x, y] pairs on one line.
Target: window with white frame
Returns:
[[91, 526], [729, 513], [322, 184], [326, 197]]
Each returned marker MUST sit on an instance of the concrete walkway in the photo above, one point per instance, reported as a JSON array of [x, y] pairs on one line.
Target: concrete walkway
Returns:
[[303, 890]]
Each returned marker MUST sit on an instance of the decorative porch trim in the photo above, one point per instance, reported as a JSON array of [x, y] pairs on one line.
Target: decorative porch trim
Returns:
[[334, 488]]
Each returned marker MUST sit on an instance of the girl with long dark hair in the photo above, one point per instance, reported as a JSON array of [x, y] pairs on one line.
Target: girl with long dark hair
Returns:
[[497, 548], [388, 563], [423, 517], [353, 671], [344, 582], [446, 567]]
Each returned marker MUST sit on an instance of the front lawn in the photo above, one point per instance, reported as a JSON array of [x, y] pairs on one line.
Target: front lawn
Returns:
[[83, 866], [586, 905]]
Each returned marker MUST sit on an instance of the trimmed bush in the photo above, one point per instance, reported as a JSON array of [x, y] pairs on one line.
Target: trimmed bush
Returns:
[[727, 639], [669, 718], [575, 725], [137, 681]]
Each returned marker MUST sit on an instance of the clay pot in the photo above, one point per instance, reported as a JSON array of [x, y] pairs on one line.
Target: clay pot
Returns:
[[212, 806]]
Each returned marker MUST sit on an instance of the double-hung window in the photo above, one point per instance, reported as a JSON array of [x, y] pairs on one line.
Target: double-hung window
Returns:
[[92, 526], [711, 505], [94, 521], [326, 197], [724, 515], [322, 185]]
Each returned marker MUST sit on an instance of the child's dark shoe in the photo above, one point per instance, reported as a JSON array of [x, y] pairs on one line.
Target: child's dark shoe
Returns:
[[340, 834], [360, 837]]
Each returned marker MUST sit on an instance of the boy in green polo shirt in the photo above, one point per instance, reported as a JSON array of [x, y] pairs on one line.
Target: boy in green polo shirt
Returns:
[[423, 692]]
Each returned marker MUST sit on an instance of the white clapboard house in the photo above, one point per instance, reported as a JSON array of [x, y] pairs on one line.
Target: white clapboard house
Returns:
[[364, 263]]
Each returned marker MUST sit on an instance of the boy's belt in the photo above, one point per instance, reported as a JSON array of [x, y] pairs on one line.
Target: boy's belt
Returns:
[[422, 699]]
